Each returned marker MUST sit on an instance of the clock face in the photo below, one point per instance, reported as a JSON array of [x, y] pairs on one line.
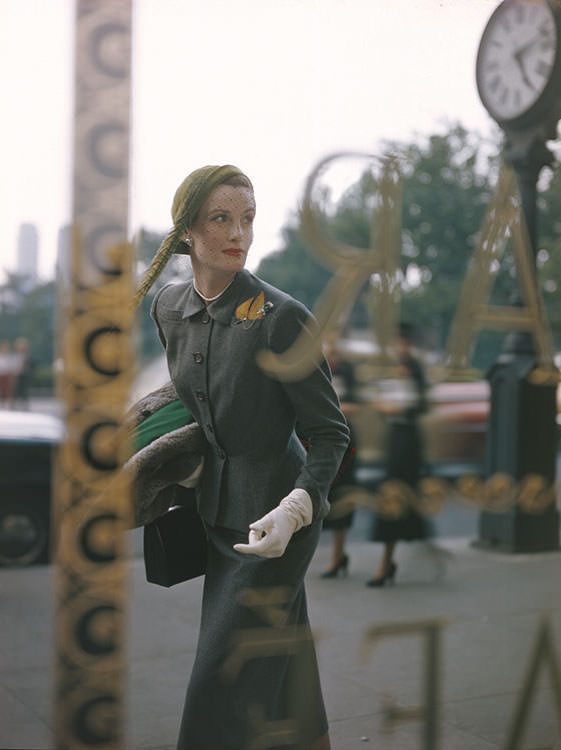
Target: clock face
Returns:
[[516, 57]]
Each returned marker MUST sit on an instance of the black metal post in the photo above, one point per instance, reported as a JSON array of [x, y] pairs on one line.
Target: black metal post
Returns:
[[522, 436]]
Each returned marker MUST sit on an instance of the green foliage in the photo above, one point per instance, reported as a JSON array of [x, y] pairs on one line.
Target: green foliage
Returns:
[[38, 322], [447, 181], [30, 315], [43, 377], [294, 270], [446, 185]]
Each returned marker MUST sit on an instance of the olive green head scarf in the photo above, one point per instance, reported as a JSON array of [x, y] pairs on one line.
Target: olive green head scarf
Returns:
[[187, 202]]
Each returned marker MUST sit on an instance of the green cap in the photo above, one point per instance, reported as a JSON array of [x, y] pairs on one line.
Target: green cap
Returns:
[[195, 189]]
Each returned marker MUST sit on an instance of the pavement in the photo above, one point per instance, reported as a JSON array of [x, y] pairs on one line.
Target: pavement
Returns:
[[488, 606]]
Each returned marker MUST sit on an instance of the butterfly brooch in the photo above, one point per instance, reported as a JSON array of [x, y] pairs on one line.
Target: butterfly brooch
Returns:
[[251, 310]]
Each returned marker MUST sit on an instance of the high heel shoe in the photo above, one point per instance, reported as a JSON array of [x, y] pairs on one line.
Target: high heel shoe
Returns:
[[388, 576], [341, 567]]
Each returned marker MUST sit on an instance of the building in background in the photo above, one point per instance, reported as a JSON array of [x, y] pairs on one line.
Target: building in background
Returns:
[[28, 256], [63, 256]]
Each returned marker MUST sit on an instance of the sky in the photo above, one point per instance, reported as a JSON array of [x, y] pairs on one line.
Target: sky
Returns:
[[269, 85]]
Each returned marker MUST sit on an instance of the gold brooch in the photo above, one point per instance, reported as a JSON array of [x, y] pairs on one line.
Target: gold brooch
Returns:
[[252, 309]]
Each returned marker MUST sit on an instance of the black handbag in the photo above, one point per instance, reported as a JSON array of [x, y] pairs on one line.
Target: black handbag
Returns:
[[175, 544]]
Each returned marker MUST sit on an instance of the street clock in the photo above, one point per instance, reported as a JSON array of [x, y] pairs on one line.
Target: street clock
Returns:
[[518, 73], [518, 69]]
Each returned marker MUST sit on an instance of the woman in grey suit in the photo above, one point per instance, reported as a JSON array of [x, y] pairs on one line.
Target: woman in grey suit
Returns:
[[261, 495]]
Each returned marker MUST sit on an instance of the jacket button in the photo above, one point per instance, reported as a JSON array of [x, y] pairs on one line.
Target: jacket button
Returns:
[[198, 357], [205, 318], [210, 428], [221, 453], [200, 395]]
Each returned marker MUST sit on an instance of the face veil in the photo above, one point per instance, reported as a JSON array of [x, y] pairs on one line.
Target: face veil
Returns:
[[187, 202]]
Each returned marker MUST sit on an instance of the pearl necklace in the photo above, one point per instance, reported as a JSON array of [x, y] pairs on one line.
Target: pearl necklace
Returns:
[[210, 299]]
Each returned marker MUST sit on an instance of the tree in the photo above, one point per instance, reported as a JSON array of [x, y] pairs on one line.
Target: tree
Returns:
[[294, 270], [12, 292], [37, 322], [447, 182], [31, 315], [445, 191]]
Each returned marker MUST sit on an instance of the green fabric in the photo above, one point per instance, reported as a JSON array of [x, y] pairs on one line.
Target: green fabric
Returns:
[[195, 189], [170, 417]]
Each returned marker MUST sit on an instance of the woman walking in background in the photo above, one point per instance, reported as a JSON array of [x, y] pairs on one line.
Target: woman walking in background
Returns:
[[339, 520], [404, 455], [261, 496]]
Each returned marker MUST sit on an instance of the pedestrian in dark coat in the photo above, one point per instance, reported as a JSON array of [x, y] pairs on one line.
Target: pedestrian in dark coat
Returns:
[[261, 495], [404, 457], [340, 517]]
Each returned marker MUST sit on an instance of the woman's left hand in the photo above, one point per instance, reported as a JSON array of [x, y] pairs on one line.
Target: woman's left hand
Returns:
[[269, 536]]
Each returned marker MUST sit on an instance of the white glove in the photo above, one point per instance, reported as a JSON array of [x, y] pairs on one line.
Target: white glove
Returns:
[[270, 535]]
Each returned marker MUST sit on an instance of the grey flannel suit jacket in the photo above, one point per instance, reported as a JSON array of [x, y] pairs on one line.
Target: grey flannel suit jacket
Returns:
[[254, 457]]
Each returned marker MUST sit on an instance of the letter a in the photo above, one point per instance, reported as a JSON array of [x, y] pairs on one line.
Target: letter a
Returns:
[[504, 217]]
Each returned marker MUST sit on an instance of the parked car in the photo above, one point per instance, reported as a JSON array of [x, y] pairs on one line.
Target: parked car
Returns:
[[454, 430], [27, 442]]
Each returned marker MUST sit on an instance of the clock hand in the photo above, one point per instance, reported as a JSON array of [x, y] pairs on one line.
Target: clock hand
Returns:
[[518, 58], [522, 51], [519, 54], [523, 73]]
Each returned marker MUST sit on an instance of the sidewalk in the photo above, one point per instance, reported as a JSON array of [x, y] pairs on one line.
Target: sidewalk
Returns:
[[492, 605]]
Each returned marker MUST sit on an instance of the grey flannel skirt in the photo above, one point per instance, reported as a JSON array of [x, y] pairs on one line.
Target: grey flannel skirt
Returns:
[[255, 681]]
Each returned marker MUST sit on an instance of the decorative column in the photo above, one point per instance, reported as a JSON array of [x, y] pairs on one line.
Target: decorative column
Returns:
[[92, 504]]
